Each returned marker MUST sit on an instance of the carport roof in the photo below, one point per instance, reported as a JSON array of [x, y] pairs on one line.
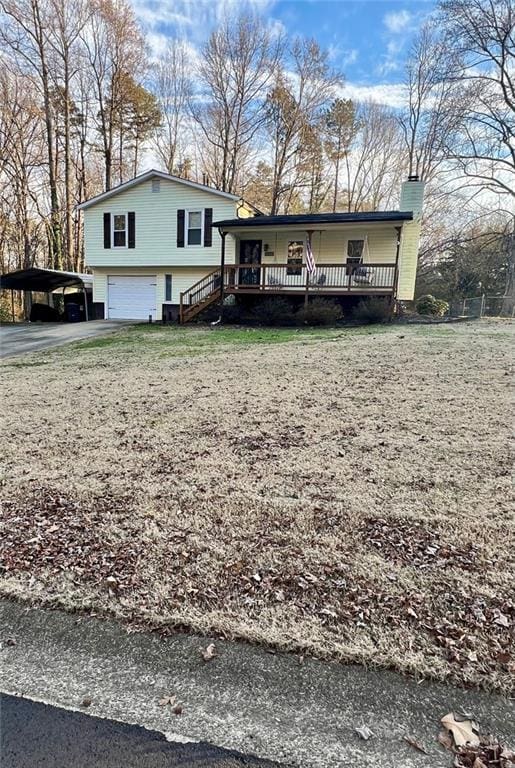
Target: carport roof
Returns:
[[45, 280]]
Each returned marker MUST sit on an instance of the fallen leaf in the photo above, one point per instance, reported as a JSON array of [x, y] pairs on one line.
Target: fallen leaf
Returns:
[[478, 763], [167, 700], [209, 652], [177, 710], [86, 701], [415, 744], [462, 730], [364, 731], [445, 739]]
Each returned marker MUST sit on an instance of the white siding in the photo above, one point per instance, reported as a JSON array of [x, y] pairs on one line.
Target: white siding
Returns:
[[156, 227], [329, 246]]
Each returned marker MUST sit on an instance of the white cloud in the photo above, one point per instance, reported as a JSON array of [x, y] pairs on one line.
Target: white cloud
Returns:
[[342, 57], [390, 94], [397, 21]]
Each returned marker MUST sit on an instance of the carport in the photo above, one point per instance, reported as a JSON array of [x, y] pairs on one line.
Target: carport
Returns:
[[48, 281]]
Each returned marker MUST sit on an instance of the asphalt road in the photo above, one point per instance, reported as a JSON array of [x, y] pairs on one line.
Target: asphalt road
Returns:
[[33, 735], [19, 338]]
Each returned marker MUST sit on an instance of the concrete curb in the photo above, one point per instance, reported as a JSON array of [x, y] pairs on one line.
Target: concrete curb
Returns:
[[246, 699]]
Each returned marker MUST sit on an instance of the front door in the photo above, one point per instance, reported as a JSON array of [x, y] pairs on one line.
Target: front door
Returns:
[[250, 253]]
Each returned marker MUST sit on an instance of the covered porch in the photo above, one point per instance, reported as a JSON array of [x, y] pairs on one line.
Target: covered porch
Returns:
[[353, 253]]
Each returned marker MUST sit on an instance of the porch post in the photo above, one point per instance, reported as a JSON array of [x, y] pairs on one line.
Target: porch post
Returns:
[[222, 270], [396, 270], [85, 302]]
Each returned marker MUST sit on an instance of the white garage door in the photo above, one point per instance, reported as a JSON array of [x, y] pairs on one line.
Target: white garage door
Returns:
[[131, 297]]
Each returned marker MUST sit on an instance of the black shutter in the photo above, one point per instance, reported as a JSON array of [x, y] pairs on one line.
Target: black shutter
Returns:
[[208, 232], [132, 229], [107, 230], [180, 228]]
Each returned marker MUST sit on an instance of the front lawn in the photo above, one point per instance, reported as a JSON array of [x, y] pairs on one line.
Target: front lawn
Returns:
[[337, 492]]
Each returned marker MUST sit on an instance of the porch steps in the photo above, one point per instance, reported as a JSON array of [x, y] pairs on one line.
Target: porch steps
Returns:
[[195, 309], [200, 296]]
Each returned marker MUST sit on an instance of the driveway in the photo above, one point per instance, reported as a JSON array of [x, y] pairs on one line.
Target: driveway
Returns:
[[35, 734], [20, 338]]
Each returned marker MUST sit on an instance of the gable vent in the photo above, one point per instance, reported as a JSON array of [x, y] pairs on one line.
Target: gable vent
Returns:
[[156, 185]]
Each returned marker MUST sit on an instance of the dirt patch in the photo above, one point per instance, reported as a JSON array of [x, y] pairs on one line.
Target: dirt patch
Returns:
[[345, 497]]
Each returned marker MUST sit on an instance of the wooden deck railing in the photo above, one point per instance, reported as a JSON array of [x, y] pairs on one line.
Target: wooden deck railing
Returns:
[[278, 278], [199, 295]]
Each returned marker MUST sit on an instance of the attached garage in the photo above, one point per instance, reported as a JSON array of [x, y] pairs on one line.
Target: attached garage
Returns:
[[131, 297]]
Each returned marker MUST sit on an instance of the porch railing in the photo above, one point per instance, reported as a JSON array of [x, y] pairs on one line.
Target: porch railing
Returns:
[[357, 278], [199, 295]]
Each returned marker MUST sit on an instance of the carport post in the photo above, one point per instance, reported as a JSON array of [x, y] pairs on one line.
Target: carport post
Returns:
[[85, 301], [12, 305]]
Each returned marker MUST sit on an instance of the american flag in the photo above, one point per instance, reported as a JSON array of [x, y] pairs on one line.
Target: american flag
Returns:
[[310, 261]]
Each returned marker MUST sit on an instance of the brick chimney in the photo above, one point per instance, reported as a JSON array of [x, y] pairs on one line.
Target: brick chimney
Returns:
[[412, 196]]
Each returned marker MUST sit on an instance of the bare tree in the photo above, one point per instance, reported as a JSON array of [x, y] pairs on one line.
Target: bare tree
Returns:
[[374, 164], [173, 88], [22, 157], [340, 127], [434, 105], [297, 100], [238, 63], [483, 35], [114, 47], [25, 33], [69, 19]]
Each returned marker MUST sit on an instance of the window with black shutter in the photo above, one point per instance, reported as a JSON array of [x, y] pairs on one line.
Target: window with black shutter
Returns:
[[180, 228], [208, 233], [107, 230], [131, 220]]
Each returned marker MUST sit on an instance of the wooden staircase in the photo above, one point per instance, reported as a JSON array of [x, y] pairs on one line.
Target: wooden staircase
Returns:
[[200, 296]]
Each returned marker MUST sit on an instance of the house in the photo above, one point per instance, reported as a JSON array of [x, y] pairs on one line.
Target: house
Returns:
[[161, 246]]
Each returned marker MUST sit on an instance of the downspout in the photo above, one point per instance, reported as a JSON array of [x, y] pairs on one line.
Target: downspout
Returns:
[[396, 271]]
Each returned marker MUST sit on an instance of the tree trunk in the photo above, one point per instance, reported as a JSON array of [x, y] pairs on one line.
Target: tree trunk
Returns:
[[508, 304], [70, 259], [55, 240]]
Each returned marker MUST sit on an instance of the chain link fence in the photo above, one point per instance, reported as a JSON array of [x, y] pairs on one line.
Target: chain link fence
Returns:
[[482, 306]]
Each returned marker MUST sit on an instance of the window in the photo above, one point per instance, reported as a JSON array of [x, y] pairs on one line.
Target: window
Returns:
[[168, 287], [355, 251], [120, 230], [354, 254], [295, 254], [156, 185], [194, 227]]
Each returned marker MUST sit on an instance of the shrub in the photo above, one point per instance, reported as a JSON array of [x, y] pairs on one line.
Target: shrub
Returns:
[[233, 314], [428, 305], [319, 312], [373, 310], [273, 311]]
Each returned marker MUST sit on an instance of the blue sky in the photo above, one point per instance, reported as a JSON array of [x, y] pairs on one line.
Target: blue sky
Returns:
[[367, 39]]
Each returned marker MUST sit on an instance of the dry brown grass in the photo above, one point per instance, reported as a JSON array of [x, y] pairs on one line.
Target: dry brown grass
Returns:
[[346, 496]]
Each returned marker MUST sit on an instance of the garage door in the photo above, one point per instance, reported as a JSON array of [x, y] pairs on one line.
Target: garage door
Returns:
[[131, 297]]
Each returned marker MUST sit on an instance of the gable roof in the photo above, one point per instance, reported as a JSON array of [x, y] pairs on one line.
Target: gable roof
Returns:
[[316, 218], [150, 175]]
